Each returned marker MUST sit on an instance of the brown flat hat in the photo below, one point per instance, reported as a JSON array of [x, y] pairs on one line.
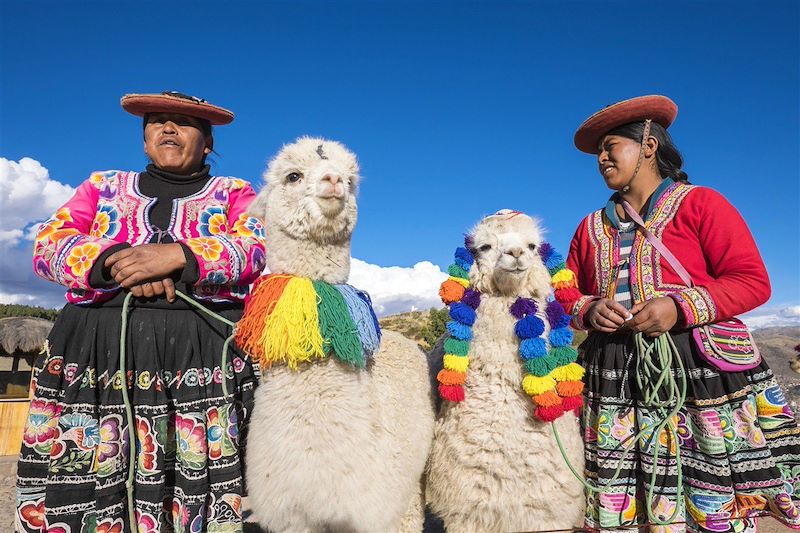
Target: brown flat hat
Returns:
[[174, 102], [658, 108]]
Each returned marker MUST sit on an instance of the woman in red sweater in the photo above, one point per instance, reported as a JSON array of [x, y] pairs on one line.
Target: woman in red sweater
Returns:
[[738, 442]]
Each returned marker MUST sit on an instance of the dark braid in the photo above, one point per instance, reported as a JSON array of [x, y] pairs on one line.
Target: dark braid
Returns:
[[668, 158]]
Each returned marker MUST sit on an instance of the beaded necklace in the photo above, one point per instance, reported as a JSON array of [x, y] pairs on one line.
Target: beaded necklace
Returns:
[[552, 377]]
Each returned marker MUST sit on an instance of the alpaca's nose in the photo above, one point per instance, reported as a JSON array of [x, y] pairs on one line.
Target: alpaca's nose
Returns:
[[516, 252], [333, 179]]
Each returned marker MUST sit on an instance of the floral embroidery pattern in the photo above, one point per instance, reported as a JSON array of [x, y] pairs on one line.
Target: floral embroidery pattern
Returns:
[[81, 429], [107, 457], [42, 425], [32, 514], [208, 248], [82, 257], [106, 222], [212, 221], [146, 447], [223, 432], [746, 420], [110, 526], [191, 436], [247, 226]]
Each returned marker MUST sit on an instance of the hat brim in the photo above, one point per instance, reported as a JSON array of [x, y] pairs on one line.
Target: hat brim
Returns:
[[659, 109], [141, 104]]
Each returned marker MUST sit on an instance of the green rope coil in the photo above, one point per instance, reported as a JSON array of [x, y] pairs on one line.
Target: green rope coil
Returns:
[[655, 380]]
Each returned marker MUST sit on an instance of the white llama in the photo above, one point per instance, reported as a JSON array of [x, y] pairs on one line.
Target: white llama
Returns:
[[493, 466], [332, 447]]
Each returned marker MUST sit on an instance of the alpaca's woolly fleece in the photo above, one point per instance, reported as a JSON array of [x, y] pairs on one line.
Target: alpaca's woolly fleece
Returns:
[[334, 449], [543, 367]]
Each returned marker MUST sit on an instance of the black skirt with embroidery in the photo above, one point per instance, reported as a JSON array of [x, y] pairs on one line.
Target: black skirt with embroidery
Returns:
[[738, 440], [75, 452]]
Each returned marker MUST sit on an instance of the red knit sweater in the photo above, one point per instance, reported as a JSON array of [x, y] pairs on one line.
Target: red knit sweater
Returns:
[[707, 235]]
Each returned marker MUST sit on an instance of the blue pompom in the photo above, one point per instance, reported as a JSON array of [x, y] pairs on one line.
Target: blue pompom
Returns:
[[529, 327], [463, 313], [459, 331], [463, 264], [530, 348], [465, 255], [553, 261], [561, 337]]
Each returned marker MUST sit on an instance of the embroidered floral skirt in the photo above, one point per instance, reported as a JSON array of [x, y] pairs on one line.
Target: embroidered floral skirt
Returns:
[[739, 445], [75, 452]]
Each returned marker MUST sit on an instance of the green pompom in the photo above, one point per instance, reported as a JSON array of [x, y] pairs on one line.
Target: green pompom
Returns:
[[456, 347]]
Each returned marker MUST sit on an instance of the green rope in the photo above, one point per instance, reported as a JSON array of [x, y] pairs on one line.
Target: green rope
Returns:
[[129, 482], [654, 379]]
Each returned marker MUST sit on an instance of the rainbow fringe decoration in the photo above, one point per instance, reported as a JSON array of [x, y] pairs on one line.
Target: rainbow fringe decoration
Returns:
[[553, 379], [292, 320]]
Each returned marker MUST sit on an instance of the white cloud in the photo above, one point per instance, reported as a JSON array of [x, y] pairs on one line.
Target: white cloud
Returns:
[[27, 197], [773, 316], [397, 289]]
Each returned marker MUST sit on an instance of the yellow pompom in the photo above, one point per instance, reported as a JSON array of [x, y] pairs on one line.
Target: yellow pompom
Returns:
[[457, 363], [460, 281], [564, 275], [533, 385], [570, 372]]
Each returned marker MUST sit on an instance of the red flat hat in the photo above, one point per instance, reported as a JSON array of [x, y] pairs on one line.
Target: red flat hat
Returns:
[[658, 108], [174, 102]]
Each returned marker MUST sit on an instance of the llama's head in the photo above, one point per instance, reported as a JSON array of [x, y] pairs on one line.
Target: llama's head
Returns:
[[507, 261], [310, 192]]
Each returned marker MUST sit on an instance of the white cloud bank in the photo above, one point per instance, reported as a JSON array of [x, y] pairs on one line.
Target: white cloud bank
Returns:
[[27, 196], [397, 289], [773, 316]]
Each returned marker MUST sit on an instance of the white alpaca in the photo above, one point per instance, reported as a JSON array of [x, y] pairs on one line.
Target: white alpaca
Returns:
[[331, 447], [493, 466]]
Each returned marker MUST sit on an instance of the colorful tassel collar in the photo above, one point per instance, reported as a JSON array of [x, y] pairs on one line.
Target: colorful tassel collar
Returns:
[[288, 319], [552, 379]]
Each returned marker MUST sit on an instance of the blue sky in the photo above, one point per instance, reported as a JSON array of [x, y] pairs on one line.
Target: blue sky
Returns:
[[455, 109]]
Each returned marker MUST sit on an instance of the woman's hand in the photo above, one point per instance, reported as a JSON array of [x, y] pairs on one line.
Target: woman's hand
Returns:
[[606, 315], [147, 262], [654, 317], [151, 289]]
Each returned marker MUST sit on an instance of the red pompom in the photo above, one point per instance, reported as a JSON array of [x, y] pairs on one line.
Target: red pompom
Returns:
[[572, 403], [548, 414], [451, 393], [567, 296]]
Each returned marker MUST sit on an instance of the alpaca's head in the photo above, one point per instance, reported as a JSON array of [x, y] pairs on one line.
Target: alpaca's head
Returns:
[[507, 261], [310, 192]]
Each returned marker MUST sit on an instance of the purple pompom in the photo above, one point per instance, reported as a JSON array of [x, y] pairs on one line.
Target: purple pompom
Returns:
[[523, 307], [472, 298], [545, 250], [556, 315]]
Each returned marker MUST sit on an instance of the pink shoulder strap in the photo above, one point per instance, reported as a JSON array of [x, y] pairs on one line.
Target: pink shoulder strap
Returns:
[[652, 239]]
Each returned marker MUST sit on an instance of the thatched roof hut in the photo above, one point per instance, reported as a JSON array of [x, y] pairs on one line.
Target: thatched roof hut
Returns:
[[23, 334]]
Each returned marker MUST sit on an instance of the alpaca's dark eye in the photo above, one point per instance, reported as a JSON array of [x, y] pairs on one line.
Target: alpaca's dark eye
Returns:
[[294, 177], [532, 246], [485, 248]]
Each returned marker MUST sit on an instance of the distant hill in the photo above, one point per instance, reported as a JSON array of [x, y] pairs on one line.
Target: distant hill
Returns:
[[7, 310]]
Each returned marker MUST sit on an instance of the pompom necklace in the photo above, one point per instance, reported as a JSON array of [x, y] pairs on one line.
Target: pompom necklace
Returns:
[[552, 378]]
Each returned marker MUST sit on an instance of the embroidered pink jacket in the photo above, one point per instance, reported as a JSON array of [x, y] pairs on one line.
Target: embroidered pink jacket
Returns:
[[109, 209], [707, 235]]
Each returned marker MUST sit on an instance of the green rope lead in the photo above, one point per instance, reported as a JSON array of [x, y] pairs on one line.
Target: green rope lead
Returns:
[[653, 378], [129, 482], [128, 412]]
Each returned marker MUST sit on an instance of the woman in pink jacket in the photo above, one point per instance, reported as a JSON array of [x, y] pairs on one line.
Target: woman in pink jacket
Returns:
[[173, 226]]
